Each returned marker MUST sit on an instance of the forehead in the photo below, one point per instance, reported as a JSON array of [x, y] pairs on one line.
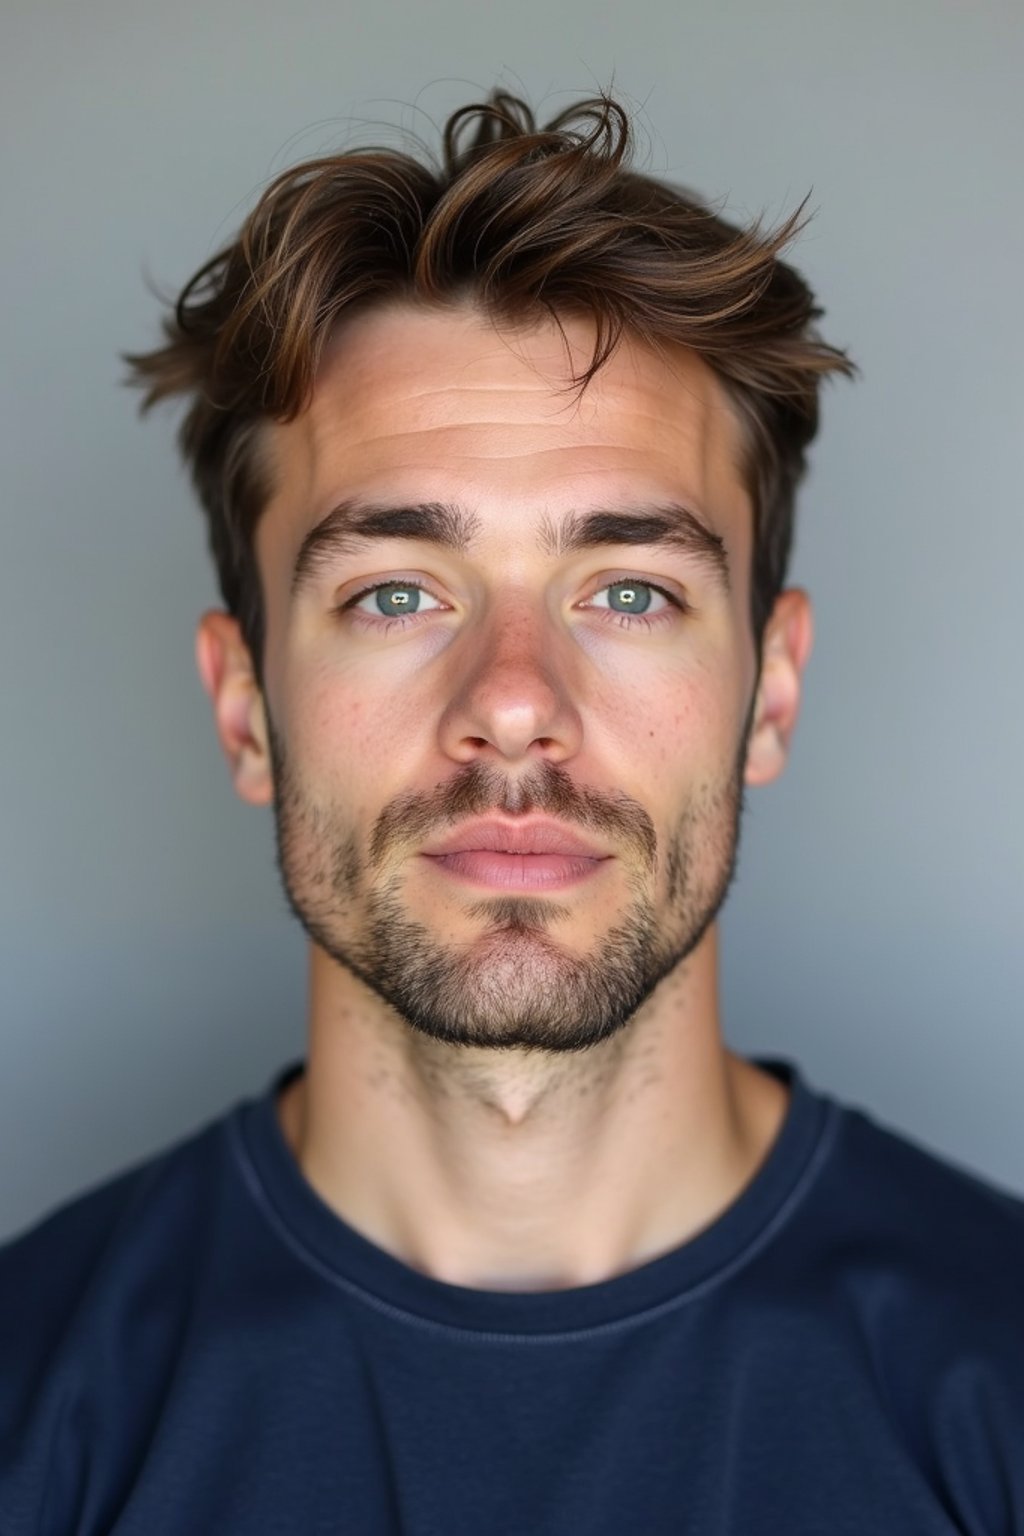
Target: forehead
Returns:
[[414, 404]]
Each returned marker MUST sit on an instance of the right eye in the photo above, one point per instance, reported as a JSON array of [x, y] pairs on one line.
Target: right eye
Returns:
[[388, 602]]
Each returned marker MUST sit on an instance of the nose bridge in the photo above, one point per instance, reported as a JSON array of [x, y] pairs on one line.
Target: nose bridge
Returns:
[[516, 648], [517, 621], [512, 686]]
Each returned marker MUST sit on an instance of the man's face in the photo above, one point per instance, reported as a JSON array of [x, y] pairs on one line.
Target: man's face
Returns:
[[469, 659]]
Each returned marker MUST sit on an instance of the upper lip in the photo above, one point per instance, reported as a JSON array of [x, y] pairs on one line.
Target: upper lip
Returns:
[[515, 837]]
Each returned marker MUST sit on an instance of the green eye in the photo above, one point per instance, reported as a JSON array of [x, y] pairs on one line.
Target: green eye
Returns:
[[629, 596], [390, 600], [397, 598]]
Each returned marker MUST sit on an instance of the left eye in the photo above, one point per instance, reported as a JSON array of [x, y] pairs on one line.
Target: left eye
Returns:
[[630, 596]]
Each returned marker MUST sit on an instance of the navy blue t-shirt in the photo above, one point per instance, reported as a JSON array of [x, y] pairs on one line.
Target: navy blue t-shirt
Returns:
[[202, 1346]]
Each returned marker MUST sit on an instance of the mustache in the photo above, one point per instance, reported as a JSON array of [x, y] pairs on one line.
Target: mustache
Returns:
[[479, 789]]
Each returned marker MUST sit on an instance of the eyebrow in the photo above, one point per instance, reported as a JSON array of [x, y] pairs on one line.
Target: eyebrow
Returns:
[[352, 524]]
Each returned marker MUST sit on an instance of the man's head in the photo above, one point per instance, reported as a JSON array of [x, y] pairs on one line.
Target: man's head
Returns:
[[499, 463]]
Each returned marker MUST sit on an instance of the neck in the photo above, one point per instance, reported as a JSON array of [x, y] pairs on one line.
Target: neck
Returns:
[[525, 1169]]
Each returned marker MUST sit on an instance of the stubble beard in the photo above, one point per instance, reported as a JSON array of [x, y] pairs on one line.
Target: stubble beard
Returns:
[[514, 985]]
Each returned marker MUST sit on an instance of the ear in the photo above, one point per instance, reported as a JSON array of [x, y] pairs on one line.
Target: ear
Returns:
[[788, 637], [225, 667]]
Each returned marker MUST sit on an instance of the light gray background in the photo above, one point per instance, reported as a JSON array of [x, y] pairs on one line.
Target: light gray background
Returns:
[[150, 975]]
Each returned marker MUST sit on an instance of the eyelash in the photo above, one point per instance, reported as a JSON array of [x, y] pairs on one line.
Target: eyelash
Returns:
[[620, 620]]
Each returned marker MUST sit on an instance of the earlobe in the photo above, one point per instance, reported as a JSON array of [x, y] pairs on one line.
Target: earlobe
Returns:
[[788, 638], [226, 671]]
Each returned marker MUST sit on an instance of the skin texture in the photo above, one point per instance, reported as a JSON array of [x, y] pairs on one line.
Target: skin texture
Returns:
[[503, 1090]]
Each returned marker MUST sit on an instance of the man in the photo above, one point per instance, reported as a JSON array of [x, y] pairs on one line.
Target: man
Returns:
[[499, 462]]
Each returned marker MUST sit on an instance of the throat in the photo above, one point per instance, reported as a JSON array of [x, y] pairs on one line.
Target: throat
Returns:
[[517, 1090]]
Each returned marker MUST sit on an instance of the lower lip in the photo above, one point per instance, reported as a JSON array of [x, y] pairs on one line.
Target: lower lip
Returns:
[[518, 871]]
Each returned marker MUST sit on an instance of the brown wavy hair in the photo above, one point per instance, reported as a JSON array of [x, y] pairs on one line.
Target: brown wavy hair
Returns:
[[526, 221]]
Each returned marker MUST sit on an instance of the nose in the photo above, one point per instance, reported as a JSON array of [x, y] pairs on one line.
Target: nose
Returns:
[[512, 698]]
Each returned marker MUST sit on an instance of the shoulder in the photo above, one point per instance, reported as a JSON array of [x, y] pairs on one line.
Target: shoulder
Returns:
[[67, 1282], [872, 1199], [925, 1210], [923, 1255], [922, 1260]]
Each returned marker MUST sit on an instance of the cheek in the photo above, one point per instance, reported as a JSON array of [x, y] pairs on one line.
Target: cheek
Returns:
[[348, 737], [683, 723]]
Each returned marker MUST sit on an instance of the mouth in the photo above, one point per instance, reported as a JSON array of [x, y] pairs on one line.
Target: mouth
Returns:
[[525, 854], [500, 870]]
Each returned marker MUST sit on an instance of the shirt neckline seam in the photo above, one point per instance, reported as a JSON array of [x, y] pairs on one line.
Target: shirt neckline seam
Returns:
[[262, 1198]]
